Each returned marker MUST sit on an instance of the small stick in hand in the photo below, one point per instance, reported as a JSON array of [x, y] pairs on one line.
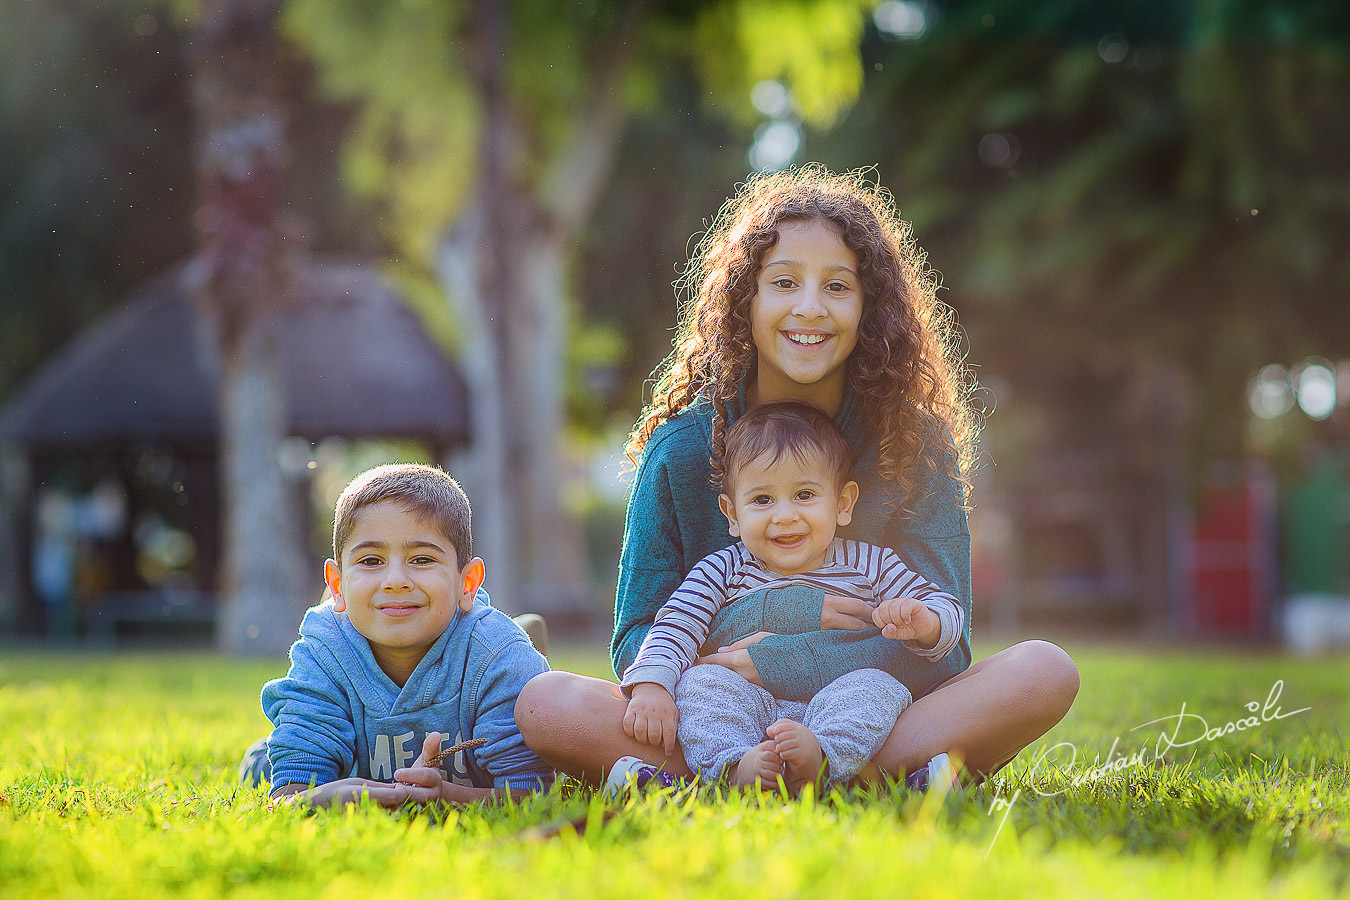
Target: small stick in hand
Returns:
[[462, 745]]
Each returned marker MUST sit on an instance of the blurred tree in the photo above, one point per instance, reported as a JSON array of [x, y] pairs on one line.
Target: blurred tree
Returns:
[[1154, 182], [1136, 205], [677, 164], [245, 272], [96, 195], [95, 187], [489, 130]]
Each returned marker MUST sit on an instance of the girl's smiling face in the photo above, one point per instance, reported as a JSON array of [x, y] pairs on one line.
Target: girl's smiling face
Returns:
[[804, 316]]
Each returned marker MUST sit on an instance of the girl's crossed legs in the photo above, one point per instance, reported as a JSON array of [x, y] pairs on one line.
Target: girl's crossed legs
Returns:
[[984, 716]]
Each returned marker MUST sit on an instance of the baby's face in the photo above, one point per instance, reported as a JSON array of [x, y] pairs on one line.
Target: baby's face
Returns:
[[786, 511]]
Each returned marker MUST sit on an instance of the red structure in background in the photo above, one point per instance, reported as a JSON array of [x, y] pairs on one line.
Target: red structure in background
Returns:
[[1233, 558]]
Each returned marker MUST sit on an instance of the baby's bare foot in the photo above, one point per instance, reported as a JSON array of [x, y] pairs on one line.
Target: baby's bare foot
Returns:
[[799, 750], [760, 763]]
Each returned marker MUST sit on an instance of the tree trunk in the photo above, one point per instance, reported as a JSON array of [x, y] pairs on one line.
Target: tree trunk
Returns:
[[514, 333], [551, 536], [484, 473], [504, 266], [245, 272], [264, 594]]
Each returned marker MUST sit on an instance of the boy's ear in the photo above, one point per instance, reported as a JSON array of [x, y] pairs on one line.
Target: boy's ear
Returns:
[[848, 495], [729, 510], [472, 576], [333, 575]]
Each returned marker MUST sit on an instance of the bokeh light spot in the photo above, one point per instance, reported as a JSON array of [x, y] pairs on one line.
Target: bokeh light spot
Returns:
[[1113, 48], [1269, 395], [771, 98], [998, 151], [900, 19], [776, 143], [1315, 385]]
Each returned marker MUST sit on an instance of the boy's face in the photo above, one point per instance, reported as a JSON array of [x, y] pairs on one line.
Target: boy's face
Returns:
[[786, 511], [399, 582]]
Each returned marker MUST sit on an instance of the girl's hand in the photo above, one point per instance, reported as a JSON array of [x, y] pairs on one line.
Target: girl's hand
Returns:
[[844, 613], [907, 619], [745, 642], [737, 658], [651, 717]]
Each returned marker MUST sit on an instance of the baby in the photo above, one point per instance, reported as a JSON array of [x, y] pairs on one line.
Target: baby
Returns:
[[787, 490]]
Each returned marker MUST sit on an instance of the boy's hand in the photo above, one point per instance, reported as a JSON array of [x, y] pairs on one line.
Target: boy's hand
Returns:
[[423, 781], [907, 619], [419, 783], [651, 717], [341, 792]]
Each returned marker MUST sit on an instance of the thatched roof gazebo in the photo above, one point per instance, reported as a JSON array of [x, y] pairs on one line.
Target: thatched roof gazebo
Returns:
[[132, 401]]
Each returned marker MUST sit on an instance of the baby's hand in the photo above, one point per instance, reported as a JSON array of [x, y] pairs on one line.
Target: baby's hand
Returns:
[[907, 619], [651, 717], [423, 780]]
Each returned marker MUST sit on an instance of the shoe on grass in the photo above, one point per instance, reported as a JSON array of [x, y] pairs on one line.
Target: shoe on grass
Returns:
[[938, 777], [629, 773]]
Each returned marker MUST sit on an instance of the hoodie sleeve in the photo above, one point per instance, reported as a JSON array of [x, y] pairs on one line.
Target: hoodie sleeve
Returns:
[[313, 740], [492, 701]]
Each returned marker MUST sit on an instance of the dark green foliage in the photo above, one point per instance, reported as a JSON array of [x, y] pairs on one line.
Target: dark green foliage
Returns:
[[96, 177], [1116, 184], [95, 180]]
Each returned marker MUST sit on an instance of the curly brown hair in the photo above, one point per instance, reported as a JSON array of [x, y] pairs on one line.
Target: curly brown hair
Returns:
[[906, 370]]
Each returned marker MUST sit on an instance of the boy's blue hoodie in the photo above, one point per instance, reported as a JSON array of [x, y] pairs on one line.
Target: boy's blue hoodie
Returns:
[[336, 714]]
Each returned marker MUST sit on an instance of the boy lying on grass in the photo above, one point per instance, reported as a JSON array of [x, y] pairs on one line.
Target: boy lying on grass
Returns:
[[406, 660]]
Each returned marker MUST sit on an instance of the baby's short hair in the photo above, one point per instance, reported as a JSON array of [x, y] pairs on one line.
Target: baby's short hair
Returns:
[[780, 428], [423, 490]]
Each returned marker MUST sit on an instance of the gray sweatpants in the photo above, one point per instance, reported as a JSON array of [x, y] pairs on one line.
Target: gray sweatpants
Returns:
[[722, 715]]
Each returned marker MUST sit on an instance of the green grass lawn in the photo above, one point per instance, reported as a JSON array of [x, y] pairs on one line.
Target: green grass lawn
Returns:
[[117, 778]]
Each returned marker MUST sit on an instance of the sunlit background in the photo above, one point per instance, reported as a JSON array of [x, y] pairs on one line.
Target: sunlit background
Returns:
[[1140, 214]]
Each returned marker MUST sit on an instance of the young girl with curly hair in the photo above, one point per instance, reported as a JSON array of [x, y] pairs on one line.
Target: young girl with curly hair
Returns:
[[809, 287]]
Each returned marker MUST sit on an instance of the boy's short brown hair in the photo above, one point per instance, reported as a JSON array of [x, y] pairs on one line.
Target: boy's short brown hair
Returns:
[[423, 490], [783, 427]]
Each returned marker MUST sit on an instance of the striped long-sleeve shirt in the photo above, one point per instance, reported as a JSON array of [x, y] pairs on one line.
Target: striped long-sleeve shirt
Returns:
[[854, 569]]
